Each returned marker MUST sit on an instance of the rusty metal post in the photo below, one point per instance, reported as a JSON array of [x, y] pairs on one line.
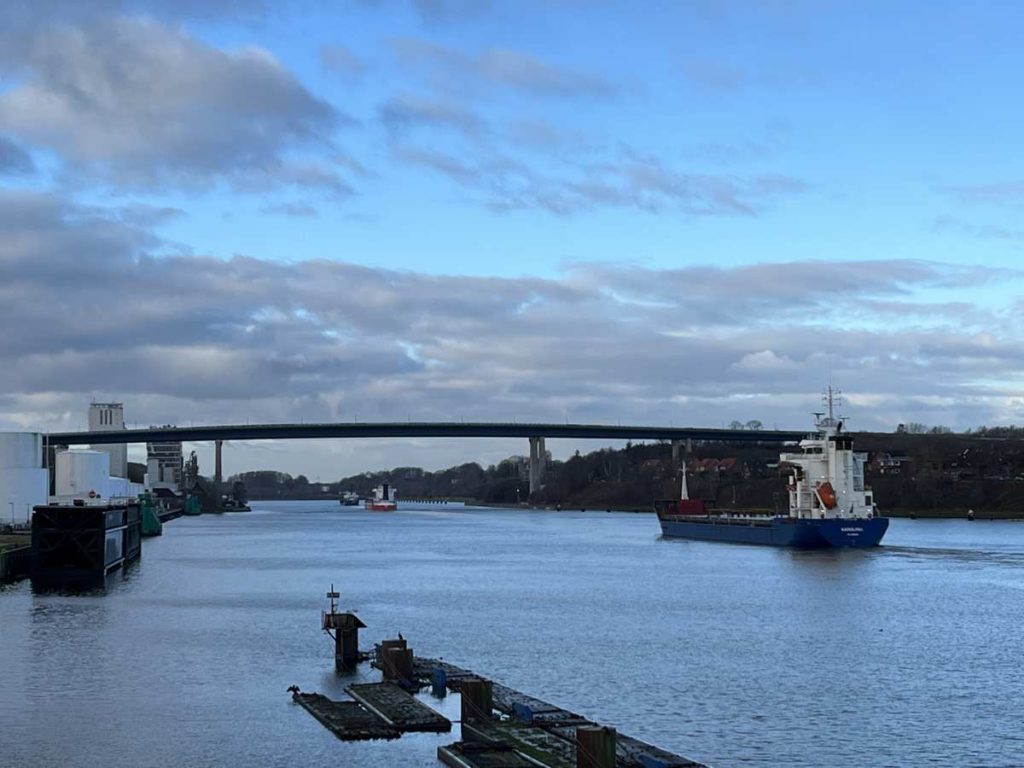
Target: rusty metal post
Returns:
[[595, 746], [477, 699], [398, 664], [382, 652], [346, 643]]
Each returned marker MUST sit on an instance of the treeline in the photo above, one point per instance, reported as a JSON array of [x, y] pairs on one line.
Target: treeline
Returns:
[[908, 471]]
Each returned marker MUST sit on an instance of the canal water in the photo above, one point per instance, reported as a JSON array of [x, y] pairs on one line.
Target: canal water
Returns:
[[908, 655]]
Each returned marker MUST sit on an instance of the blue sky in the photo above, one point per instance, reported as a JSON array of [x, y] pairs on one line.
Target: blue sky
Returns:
[[685, 212], [878, 109]]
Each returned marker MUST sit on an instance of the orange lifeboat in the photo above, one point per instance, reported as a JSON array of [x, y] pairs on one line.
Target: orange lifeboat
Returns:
[[827, 495]]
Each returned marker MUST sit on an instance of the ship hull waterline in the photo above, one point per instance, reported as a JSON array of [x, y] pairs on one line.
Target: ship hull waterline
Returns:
[[779, 532]]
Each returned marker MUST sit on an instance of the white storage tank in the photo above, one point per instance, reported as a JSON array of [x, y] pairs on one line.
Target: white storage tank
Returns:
[[21, 449], [23, 480], [82, 475]]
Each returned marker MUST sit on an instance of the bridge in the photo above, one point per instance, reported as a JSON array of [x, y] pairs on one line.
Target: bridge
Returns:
[[534, 432]]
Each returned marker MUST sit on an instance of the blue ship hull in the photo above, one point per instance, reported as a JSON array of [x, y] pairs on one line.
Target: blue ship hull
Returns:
[[779, 531]]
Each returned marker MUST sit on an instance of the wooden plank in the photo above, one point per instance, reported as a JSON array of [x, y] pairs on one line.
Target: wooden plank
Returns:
[[398, 708], [470, 755], [345, 719]]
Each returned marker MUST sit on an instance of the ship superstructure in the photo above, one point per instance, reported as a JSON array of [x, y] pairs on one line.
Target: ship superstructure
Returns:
[[828, 476]]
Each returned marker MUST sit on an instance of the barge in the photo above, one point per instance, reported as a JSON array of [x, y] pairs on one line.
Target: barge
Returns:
[[78, 545]]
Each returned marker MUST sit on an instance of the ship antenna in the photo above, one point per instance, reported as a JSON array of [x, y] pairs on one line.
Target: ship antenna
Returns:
[[832, 398]]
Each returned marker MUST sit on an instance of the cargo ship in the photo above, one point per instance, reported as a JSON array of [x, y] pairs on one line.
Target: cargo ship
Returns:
[[829, 506], [383, 499]]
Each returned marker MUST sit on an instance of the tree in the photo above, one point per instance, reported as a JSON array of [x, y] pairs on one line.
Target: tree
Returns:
[[755, 425]]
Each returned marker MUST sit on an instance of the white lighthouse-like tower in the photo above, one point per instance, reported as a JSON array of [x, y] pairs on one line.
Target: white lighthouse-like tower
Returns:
[[828, 477]]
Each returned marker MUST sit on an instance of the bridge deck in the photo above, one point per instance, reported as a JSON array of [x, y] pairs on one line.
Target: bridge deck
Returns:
[[418, 429]]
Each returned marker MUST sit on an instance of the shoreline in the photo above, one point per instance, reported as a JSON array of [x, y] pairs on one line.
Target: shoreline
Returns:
[[921, 514]]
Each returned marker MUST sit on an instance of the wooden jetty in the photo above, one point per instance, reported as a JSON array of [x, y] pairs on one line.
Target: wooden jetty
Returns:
[[347, 720], [543, 731], [501, 727], [469, 754], [398, 708]]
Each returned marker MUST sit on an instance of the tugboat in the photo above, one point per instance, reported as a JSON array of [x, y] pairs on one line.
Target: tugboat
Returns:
[[828, 503], [383, 499], [349, 499]]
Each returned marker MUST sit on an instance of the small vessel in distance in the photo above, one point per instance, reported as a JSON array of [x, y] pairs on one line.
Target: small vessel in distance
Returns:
[[828, 503], [349, 499], [383, 499]]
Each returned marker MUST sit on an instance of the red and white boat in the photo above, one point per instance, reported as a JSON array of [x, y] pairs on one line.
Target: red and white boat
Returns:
[[383, 499]]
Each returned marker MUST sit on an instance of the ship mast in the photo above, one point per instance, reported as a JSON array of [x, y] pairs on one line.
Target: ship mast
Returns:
[[831, 398]]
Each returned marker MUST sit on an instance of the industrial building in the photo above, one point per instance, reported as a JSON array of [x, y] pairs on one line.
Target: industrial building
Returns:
[[109, 417], [164, 465]]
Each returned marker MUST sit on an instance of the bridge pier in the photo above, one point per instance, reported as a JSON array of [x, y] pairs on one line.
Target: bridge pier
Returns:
[[538, 463], [218, 474]]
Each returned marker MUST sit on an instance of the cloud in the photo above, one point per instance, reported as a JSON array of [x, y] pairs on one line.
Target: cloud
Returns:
[[341, 61], [139, 104], [14, 161], [404, 113], [294, 210], [503, 67], [623, 180], [439, 10], [23, 22], [765, 360], [1001, 193], [104, 308], [951, 224]]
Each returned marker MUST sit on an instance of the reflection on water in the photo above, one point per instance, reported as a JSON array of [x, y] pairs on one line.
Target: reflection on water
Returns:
[[904, 655]]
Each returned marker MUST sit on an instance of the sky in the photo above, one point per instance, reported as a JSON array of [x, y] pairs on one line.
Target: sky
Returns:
[[687, 213]]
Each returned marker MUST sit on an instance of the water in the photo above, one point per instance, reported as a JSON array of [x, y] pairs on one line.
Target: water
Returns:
[[906, 655]]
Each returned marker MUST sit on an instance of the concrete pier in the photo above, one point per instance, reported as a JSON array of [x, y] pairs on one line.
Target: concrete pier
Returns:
[[538, 463], [218, 464]]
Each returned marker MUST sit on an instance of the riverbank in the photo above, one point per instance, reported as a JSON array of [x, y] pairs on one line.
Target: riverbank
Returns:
[[956, 514], [15, 556]]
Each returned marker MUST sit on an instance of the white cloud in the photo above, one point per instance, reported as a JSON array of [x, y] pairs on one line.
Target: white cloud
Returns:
[[140, 104]]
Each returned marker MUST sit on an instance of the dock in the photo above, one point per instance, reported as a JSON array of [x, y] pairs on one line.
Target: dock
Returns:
[[470, 754], [501, 727], [347, 720], [544, 731], [15, 556], [398, 708]]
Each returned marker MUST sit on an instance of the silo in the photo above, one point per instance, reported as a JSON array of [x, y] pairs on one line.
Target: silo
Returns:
[[23, 480], [82, 475]]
